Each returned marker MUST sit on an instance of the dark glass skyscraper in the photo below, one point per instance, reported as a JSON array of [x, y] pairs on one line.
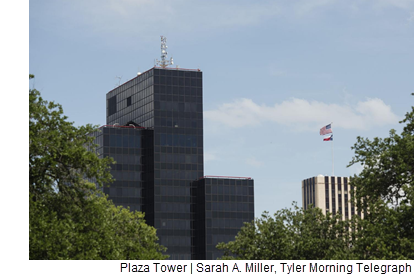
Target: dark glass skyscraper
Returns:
[[155, 133]]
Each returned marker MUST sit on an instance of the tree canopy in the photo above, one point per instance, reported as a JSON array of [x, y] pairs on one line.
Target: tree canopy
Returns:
[[69, 217], [385, 187], [384, 190], [291, 234]]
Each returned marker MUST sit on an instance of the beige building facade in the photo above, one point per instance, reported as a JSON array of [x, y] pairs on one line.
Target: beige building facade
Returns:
[[330, 194]]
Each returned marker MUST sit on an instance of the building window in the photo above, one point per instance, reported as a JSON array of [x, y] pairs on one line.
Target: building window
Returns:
[[112, 105], [129, 101]]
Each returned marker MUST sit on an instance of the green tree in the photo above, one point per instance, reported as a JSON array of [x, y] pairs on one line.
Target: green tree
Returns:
[[69, 218], [385, 191], [292, 234]]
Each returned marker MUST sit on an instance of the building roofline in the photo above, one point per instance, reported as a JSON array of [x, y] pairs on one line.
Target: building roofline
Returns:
[[120, 126], [176, 68], [156, 67], [225, 177]]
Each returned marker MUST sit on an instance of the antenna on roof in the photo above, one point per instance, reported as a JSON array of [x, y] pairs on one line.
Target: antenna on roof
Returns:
[[164, 62], [119, 81]]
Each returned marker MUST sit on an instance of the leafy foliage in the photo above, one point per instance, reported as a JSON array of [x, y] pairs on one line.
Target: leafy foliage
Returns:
[[386, 187], [292, 234], [69, 217]]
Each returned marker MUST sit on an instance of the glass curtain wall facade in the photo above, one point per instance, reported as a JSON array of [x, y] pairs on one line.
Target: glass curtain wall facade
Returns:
[[127, 146], [221, 206], [168, 101]]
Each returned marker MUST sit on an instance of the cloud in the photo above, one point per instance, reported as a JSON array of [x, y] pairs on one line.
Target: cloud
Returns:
[[303, 114], [253, 162], [146, 17]]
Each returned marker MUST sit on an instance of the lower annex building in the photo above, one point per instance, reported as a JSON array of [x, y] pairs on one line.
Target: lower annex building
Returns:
[[154, 132]]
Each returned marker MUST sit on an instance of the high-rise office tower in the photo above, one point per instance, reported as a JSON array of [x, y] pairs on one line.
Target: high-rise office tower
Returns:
[[154, 132], [169, 101], [330, 194]]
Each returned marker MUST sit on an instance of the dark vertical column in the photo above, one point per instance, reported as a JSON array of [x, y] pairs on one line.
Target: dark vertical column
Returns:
[[148, 175], [198, 209]]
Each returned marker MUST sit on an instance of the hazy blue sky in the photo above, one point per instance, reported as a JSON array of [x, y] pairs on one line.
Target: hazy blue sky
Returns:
[[274, 73]]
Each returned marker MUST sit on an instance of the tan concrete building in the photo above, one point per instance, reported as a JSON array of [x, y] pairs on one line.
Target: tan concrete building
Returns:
[[330, 194]]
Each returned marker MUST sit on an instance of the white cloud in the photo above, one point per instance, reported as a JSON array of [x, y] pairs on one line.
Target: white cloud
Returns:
[[253, 162], [303, 114], [146, 17]]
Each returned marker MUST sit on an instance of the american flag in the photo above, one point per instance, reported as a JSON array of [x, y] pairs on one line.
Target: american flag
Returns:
[[325, 130]]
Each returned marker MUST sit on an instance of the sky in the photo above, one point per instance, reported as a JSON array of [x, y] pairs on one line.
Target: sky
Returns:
[[274, 73]]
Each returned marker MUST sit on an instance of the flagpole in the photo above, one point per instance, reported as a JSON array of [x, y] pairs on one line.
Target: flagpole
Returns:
[[333, 167]]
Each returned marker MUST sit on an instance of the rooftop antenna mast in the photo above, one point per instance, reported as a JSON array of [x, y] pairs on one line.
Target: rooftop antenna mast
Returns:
[[164, 60], [119, 81]]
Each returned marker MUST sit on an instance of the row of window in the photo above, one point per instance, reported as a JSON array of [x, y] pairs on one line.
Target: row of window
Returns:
[[176, 91], [231, 198], [246, 216], [228, 181], [177, 72], [227, 223], [131, 88], [126, 104], [127, 159], [172, 207], [179, 140], [109, 151], [126, 175], [179, 174], [177, 166], [178, 81], [136, 101], [126, 167], [178, 240], [123, 192], [179, 122], [131, 184], [228, 206], [137, 98], [229, 190], [180, 150], [177, 106], [178, 158], [126, 201], [175, 224], [138, 109], [129, 141], [173, 191], [179, 98]]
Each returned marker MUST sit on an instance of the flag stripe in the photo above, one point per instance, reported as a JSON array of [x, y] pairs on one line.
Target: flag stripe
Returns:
[[326, 130], [328, 138]]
